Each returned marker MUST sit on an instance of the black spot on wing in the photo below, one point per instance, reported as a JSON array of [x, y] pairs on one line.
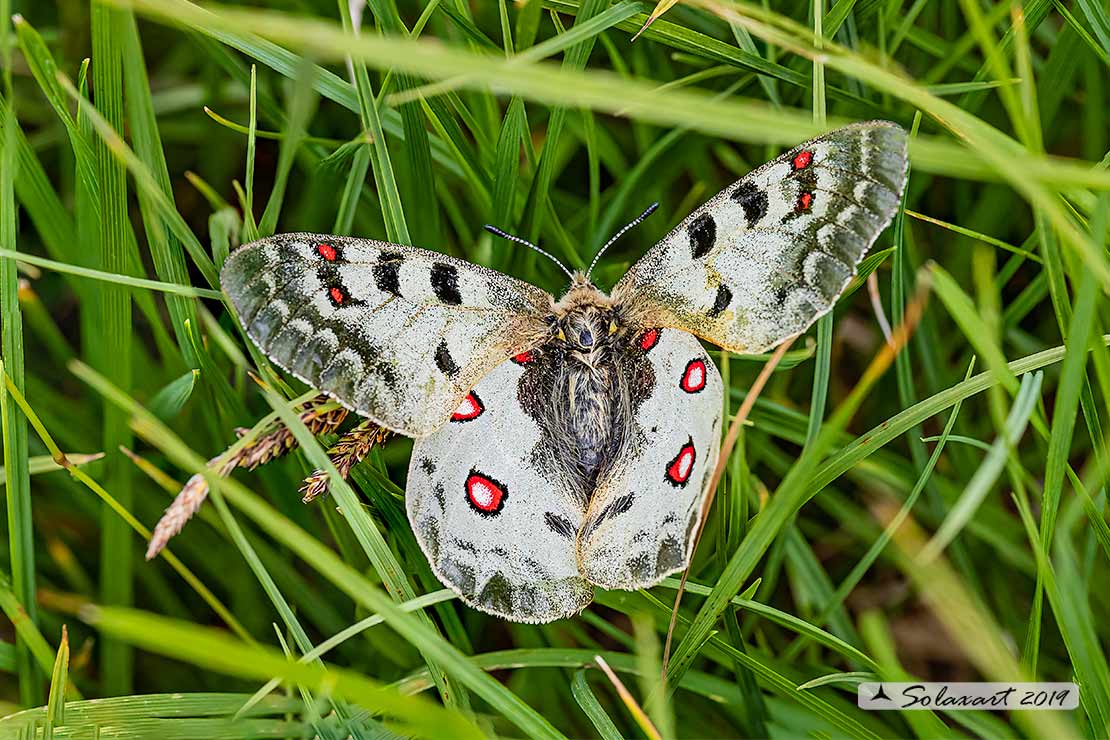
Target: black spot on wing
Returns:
[[327, 274], [641, 375], [444, 361], [445, 283], [465, 546], [387, 273], [617, 506], [807, 179], [721, 300], [752, 200], [703, 235], [560, 525], [427, 465]]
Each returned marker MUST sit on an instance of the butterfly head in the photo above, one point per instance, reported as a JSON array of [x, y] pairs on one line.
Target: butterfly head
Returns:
[[585, 322]]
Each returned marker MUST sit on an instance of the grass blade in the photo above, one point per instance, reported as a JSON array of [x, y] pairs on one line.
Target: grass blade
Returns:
[[980, 484], [584, 695], [17, 475], [217, 651], [59, 678]]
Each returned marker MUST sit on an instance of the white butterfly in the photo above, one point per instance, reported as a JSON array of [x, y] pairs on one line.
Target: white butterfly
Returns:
[[566, 444]]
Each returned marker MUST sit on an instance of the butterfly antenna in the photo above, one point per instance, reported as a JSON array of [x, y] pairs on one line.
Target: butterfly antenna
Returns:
[[530, 245], [647, 212]]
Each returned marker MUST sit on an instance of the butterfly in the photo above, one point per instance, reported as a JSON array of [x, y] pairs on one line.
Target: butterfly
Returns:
[[563, 444]]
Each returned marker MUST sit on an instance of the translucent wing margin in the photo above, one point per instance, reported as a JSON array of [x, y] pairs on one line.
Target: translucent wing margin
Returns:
[[396, 334], [767, 256]]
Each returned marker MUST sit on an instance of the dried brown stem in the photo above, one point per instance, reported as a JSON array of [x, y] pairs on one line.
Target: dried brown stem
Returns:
[[634, 707], [273, 442]]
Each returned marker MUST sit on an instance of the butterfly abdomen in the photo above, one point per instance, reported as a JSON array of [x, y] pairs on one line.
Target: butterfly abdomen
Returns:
[[592, 423], [587, 411]]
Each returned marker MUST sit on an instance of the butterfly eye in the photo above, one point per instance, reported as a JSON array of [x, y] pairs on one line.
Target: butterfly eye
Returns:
[[612, 327]]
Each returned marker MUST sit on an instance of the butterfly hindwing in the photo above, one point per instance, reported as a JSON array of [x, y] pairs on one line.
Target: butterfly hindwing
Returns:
[[496, 525], [395, 333], [767, 256], [642, 518]]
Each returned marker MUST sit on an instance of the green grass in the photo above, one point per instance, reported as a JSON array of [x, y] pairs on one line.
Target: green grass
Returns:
[[939, 513]]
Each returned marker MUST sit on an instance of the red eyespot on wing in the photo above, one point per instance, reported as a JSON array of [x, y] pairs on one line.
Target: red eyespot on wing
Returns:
[[326, 251], [679, 469], [805, 200], [470, 408], [802, 159], [484, 494], [337, 295], [649, 339], [693, 377], [524, 357]]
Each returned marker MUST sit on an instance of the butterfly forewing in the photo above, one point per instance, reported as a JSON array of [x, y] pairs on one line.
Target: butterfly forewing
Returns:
[[397, 334], [767, 256], [496, 525], [642, 518]]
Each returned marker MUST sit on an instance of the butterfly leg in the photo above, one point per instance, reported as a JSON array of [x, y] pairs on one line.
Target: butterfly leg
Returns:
[[351, 448]]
